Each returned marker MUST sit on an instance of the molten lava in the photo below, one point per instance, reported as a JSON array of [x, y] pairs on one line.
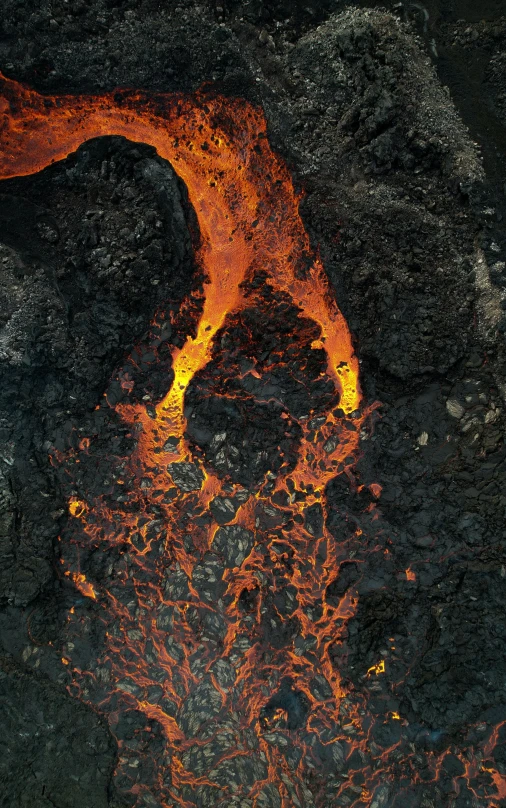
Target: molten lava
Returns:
[[243, 711]]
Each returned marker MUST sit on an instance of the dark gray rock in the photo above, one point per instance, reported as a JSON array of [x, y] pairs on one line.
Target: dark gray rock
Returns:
[[207, 577], [41, 724], [234, 543], [187, 476], [223, 509], [202, 705]]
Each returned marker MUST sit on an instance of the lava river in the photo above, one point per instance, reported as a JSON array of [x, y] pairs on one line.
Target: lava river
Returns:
[[226, 706]]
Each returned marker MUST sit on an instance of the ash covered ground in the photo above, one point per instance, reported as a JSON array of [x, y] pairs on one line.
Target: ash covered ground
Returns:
[[409, 222]]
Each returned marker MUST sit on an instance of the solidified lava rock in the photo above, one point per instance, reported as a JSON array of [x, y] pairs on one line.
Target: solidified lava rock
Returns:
[[234, 543], [242, 439], [291, 701], [71, 758], [265, 374], [268, 351], [186, 476]]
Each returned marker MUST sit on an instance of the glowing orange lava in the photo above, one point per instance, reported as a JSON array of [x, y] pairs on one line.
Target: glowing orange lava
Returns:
[[192, 662]]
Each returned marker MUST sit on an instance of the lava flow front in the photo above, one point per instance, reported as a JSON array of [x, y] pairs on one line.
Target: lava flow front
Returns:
[[218, 583]]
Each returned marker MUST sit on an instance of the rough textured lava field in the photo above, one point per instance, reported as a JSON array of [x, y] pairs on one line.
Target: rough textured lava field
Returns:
[[252, 404]]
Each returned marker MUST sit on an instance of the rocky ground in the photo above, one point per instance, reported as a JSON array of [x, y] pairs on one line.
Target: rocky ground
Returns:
[[405, 199]]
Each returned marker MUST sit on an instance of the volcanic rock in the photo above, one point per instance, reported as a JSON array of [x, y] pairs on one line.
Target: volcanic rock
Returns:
[[97, 255], [200, 706], [65, 729], [187, 476], [234, 543]]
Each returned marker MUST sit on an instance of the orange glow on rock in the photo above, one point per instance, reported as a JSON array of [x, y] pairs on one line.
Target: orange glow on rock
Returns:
[[374, 670], [226, 181], [84, 586], [76, 507]]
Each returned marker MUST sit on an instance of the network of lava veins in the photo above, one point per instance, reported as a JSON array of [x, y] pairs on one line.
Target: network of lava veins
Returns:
[[219, 608]]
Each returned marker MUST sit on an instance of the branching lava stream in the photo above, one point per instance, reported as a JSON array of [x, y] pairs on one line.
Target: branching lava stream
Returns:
[[218, 630]]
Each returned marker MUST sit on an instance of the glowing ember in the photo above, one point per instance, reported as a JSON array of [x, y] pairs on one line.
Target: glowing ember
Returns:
[[378, 668], [82, 584], [76, 507]]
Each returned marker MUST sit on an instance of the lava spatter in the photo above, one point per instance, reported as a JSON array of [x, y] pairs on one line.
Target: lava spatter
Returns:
[[220, 602]]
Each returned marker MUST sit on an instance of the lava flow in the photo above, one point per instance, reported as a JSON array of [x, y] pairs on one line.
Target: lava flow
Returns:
[[217, 624]]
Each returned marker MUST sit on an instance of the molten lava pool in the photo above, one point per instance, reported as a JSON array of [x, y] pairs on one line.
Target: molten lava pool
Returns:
[[216, 614]]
